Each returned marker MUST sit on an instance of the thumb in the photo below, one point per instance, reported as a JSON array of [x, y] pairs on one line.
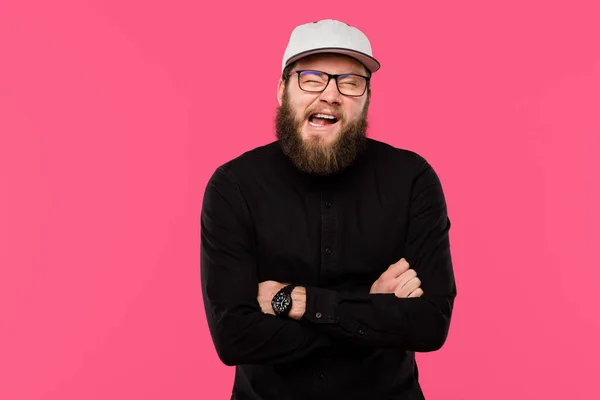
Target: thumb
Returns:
[[399, 267], [396, 269]]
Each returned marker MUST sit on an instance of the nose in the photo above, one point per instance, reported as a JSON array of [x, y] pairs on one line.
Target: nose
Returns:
[[331, 94]]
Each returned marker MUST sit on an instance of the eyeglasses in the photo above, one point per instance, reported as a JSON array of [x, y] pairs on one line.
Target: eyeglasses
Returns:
[[347, 84]]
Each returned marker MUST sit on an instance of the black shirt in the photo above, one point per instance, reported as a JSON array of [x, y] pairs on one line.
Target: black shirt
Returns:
[[263, 219]]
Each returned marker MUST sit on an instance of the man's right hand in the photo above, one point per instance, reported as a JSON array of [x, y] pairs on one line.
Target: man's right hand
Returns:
[[400, 280]]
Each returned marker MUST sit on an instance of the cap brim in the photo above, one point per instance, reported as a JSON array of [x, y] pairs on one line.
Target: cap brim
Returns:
[[368, 61]]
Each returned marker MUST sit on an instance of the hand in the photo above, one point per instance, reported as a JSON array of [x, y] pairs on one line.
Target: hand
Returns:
[[266, 291], [400, 280]]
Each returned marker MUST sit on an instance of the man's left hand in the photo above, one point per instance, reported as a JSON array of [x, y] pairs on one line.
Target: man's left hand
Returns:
[[266, 291]]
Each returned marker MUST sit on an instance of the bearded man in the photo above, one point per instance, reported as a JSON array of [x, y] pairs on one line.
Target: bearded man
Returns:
[[325, 254]]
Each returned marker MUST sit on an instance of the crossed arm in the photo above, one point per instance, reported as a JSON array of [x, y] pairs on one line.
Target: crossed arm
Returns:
[[400, 311], [399, 279]]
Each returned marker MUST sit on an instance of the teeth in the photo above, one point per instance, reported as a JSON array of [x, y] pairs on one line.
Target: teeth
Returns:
[[324, 116]]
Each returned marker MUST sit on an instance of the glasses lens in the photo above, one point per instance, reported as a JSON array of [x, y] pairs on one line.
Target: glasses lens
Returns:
[[315, 81], [352, 85], [312, 81]]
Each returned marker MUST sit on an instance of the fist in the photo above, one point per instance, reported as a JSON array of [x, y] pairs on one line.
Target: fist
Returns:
[[400, 280]]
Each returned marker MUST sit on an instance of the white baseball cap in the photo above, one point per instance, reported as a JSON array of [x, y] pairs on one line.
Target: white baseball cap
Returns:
[[329, 36]]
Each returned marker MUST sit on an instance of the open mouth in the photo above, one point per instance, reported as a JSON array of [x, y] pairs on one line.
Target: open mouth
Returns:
[[319, 119]]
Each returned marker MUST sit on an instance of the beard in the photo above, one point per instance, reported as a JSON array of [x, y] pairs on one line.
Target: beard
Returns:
[[314, 155]]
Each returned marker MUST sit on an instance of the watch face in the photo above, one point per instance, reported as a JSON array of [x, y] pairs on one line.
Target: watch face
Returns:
[[281, 302]]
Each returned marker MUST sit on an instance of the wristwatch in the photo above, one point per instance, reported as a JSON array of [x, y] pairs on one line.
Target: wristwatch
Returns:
[[282, 301]]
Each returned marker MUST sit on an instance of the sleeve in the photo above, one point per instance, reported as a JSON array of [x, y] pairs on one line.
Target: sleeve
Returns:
[[241, 332], [383, 320]]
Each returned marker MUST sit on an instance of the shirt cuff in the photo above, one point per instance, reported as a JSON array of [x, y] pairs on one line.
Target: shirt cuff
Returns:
[[321, 306]]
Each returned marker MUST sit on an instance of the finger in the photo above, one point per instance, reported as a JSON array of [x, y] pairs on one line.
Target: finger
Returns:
[[397, 269], [416, 293], [412, 285], [405, 277]]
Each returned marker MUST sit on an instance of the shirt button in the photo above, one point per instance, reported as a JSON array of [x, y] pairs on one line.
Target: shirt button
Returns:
[[327, 204], [361, 332], [321, 376], [327, 250], [318, 315]]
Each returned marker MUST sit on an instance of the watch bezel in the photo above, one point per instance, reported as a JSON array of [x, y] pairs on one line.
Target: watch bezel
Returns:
[[284, 295]]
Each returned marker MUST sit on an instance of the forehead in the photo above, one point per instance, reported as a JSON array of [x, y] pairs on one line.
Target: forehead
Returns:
[[332, 63]]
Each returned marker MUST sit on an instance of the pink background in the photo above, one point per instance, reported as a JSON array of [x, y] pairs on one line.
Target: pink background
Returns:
[[113, 114]]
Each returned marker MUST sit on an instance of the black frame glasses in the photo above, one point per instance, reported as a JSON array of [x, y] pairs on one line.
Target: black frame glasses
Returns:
[[329, 78]]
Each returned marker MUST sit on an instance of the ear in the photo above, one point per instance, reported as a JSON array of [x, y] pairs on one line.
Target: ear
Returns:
[[280, 91]]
